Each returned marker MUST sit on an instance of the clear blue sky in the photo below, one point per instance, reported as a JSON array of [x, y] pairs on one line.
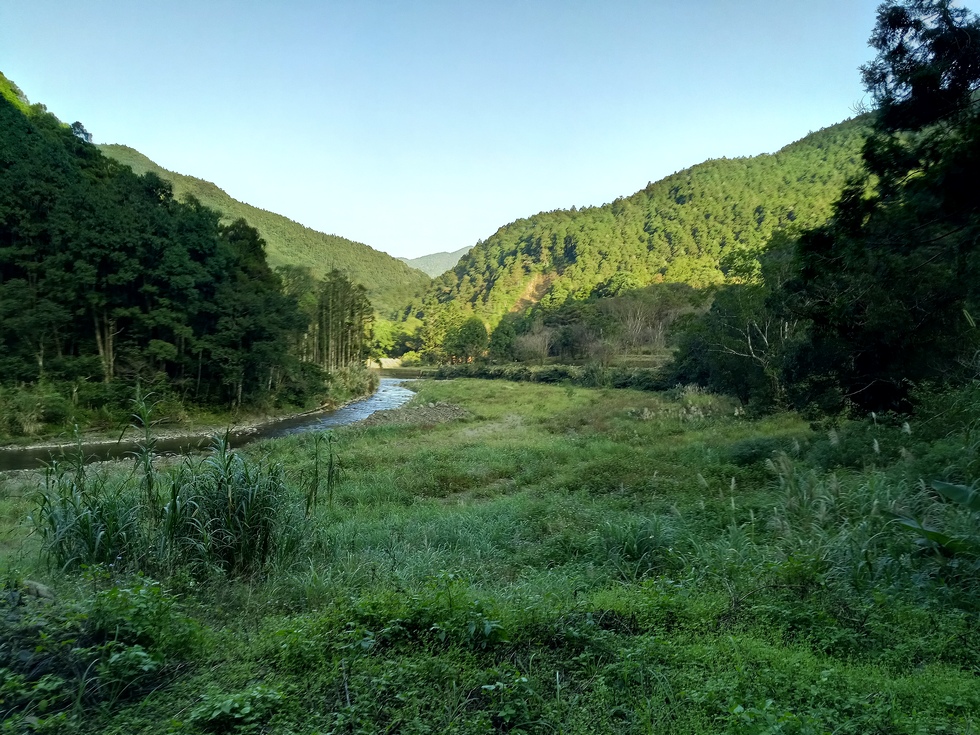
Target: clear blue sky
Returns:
[[421, 126]]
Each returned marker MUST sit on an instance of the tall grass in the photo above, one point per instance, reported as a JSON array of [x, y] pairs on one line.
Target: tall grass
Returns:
[[85, 517], [224, 513], [574, 561], [229, 513]]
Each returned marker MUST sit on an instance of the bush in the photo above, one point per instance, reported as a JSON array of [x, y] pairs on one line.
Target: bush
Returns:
[[227, 712], [755, 449], [411, 359], [225, 513], [114, 642]]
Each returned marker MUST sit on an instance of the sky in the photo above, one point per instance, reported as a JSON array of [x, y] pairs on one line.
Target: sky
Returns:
[[420, 126]]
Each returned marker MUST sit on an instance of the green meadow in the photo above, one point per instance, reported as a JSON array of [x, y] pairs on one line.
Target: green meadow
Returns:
[[559, 560]]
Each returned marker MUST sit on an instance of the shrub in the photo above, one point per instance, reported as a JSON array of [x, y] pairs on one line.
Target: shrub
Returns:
[[113, 642], [754, 449], [84, 519], [228, 712]]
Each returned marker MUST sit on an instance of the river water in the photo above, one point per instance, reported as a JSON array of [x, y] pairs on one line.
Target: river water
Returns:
[[391, 393]]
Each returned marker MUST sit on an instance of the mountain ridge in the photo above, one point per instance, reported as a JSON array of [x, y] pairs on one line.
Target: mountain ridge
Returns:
[[391, 284], [435, 264], [678, 229]]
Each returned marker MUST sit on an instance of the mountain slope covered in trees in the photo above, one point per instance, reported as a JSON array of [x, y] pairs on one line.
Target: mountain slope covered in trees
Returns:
[[105, 275], [110, 285], [692, 227], [437, 263], [390, 283]]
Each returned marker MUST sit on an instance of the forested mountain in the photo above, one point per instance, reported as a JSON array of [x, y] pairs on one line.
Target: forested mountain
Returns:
[[437, 263], [390, 283], [690, 227], [109, 282]]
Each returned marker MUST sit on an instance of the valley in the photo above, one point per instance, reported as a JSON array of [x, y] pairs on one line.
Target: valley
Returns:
[[702, 459]]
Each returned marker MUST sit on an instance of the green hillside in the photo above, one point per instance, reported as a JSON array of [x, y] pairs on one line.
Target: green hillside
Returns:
[[437, 263], [390, 283], [679, 229], [11, 92]]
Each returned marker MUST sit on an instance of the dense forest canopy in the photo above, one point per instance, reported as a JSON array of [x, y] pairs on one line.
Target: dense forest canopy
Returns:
[[691, 227]]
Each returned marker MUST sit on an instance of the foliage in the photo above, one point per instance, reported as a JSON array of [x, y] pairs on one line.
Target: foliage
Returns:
[[863, 316], [117, 640], [339, 317], [236, 712], [572, 559], [467, 341], [106, 281], [943, 542], [579, 559], [390, 284], [889, 283], [105, 276], [224, 514], [678, 230]]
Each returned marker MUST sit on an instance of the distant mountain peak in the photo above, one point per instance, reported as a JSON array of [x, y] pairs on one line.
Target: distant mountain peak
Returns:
[[437, 263]]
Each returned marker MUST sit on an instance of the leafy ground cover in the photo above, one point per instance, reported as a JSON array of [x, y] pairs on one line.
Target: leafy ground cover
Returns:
[[556, 559]]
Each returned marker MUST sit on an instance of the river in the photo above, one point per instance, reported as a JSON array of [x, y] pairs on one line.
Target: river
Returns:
[[391, 393]]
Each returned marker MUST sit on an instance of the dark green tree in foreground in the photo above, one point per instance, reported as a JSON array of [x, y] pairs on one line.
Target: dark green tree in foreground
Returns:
[[889, 285]]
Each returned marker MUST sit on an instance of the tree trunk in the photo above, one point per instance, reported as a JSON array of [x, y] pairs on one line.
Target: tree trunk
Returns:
[[105, 333]]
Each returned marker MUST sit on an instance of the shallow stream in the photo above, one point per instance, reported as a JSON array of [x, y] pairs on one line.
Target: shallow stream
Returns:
[[391, 393]]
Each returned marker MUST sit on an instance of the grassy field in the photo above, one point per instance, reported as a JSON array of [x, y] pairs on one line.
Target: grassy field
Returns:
[[562, 560]]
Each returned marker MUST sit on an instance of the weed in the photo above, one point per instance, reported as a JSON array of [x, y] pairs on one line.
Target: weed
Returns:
[[239, 712]]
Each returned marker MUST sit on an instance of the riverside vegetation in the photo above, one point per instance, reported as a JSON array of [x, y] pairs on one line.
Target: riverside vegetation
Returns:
[[563, 559]]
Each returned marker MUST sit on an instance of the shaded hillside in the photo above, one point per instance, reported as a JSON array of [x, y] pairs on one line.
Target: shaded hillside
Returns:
[[437, 263], [390, 283], [679, 229]]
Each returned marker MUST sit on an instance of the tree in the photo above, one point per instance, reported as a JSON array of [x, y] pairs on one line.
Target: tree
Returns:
[[79, 131], [467, 341], [503, 338], [535, 344], [928, 63], [888, 283]]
